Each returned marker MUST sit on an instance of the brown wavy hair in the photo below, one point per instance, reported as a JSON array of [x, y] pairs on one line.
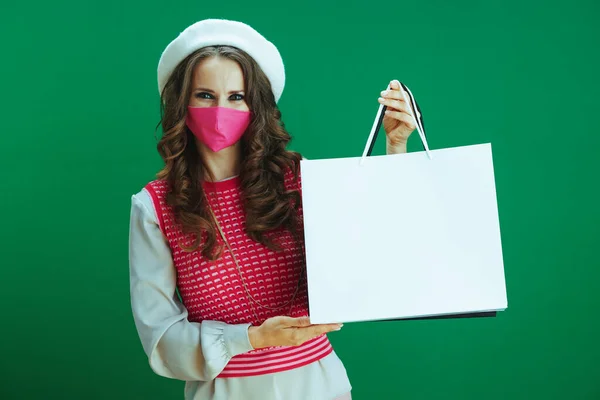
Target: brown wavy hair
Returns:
[[268, 205]]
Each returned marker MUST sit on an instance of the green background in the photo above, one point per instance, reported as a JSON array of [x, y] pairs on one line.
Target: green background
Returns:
[[79, 106]]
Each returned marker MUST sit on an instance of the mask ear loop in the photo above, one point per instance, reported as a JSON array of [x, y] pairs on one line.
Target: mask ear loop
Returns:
[[416, 111]]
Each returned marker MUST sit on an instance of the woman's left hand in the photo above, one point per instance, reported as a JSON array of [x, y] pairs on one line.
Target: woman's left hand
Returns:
[[398, 121]]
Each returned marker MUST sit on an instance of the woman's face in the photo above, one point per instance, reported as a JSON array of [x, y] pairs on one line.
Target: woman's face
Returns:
[[218, 82]]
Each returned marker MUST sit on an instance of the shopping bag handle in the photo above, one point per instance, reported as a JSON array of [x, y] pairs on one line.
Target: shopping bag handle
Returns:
[[416, 111]]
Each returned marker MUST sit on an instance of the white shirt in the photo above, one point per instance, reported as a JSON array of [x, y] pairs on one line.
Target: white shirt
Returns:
[[197, 352]]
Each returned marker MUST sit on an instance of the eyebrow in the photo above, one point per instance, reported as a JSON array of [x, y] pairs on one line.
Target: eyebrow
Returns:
[[212, 91]]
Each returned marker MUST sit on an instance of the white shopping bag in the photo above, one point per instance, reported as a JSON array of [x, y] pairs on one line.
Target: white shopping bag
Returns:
[[403, 236]]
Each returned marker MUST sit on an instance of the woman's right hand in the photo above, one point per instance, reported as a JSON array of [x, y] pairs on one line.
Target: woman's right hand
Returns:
[[287, 331]]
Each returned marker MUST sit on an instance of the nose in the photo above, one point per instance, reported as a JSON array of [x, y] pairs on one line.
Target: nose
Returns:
[[223, 101]]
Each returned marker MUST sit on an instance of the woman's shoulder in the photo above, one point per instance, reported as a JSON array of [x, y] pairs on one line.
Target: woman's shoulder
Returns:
[[142, 199], [154, 190], [158, 185], [148, 194], [142, 196]]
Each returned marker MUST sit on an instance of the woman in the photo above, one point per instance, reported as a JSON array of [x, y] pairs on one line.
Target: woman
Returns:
[[218, 288]]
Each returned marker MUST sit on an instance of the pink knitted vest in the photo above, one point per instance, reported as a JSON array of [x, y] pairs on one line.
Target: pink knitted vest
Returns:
[[213, 290]]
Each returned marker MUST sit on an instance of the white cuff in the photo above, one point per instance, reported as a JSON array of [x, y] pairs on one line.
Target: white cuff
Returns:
[[224, 341]]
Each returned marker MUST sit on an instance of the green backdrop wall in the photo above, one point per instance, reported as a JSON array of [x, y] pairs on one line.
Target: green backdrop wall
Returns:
[[79, 105]]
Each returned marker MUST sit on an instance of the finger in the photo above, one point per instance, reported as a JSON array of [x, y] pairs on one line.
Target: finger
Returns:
[[395, 104], [407, 101], [322, 329], [403, 117], [406, 98], [317, 330], [393, 94], [290, 322], [395, 91], [301, 335]]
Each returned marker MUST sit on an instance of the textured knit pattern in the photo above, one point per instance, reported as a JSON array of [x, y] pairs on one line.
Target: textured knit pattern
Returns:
[[214, 290]]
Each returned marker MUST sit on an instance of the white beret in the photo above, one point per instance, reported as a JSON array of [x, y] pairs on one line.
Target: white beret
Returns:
[[212, 32]]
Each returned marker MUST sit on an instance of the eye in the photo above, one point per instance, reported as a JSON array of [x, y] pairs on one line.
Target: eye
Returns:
[[203, 95], [236, 97]]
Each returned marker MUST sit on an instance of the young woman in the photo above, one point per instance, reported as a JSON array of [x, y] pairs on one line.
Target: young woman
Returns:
[[218, 288]]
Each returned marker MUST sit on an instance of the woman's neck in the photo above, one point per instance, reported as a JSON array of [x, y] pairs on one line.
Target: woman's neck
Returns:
[[223, 164]]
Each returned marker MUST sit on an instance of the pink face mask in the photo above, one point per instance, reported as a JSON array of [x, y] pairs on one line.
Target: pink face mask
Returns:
[[217, 127]]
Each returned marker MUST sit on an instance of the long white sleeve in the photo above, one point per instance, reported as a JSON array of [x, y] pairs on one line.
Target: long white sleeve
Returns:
[[176, 348]]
